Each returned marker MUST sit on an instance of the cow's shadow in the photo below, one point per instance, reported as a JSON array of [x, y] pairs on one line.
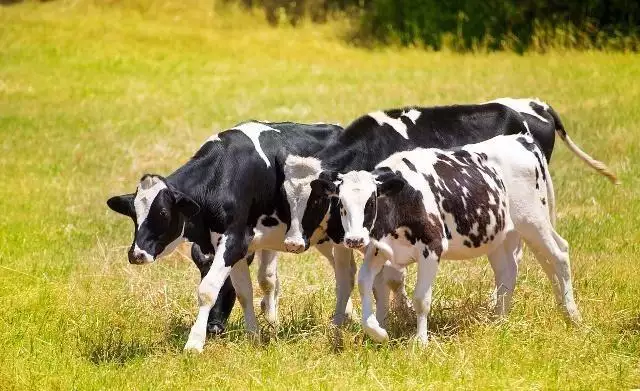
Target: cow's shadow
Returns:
[[295, 323], [112, 346], [308, 319], [446, 319]]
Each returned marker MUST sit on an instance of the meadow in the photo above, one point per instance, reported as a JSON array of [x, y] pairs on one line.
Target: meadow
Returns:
[[95, 94]]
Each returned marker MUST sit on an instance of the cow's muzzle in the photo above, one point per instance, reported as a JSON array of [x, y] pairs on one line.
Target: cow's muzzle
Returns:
[[295, 245], [139, 257], [356, 242]]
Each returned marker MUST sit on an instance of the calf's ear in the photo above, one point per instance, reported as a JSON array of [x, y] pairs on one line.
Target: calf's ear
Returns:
[[391, 185], [324, 186], [185, 204], [327, 175], [123, 204]]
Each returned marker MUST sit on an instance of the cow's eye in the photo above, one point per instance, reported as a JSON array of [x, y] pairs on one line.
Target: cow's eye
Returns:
[[164, 212]]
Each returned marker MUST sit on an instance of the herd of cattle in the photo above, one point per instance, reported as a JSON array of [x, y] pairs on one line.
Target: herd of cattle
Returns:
[[404, 185]]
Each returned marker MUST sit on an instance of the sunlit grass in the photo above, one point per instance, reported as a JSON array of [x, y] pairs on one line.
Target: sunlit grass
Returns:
[[93, 95]]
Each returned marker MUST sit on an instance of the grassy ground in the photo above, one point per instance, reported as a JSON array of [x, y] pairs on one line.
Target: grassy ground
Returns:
[[92, 97]]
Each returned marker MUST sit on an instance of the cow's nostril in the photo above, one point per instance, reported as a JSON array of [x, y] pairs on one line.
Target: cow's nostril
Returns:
[[354, 243]]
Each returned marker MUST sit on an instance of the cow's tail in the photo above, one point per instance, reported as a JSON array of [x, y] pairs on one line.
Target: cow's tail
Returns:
[[596, 164], [551, 196]]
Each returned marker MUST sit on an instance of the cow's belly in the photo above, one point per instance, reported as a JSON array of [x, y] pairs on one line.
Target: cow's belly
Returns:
[[461, 247], [458, 250], [268, 234]]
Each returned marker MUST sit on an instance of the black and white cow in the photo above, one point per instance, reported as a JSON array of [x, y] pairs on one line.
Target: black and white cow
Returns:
[[430, 204], [228, 200], [374, 137]]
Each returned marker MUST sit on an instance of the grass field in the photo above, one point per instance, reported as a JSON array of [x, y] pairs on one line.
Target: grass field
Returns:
[[92, 97]]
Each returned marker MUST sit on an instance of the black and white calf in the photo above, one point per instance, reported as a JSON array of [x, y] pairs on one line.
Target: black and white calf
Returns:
[[425, 205], [228, 200]]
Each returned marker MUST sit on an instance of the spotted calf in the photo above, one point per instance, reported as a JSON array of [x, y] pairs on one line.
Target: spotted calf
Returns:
[[430, 204]]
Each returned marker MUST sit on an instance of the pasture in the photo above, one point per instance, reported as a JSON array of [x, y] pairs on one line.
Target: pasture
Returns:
[[94, 96]]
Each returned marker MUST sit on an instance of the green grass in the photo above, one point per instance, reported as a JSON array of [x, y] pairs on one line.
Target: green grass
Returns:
[[93, 96]]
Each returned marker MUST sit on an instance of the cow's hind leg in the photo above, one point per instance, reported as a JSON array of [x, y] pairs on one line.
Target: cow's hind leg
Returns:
[[270, 285], [552, 252], [504, 263]]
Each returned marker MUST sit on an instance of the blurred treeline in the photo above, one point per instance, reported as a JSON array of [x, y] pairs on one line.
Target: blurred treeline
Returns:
[[464, 25]]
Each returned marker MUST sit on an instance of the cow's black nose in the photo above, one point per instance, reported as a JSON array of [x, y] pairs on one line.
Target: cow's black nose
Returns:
[[354, 243], [136, 258]]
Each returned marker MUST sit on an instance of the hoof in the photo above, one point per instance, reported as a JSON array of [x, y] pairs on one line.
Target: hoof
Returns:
[[193, 346], [374, 331], [271, 316], [421, 340], [215, 328], [575, 318]]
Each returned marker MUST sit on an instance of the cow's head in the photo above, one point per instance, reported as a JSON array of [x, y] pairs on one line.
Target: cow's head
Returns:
[[159, 212], [359, 192], [308, 205]]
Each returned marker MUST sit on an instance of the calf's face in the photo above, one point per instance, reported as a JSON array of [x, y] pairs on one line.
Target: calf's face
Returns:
[[308, 205], [159, 213], [359, 192]]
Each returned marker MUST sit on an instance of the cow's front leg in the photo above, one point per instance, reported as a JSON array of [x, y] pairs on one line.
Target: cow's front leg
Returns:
[[368, 272], [221, 310], [345, 271], [231, 249], [428, 263], [270, 285], [208, 291], [241, 278], [381, 292]]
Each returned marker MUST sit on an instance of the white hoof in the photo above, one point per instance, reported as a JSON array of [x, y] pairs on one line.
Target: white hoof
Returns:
[[194, 346], [575, 317], [270, 313], [374, 331], [349, 312]]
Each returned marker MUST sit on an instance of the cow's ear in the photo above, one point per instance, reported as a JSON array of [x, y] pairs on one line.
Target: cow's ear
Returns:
[[390, 185], [330, 176], [123, 204], [185, 204], [324, 186]]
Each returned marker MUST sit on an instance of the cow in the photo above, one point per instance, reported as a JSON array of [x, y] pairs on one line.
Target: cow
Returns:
[[228, 200], [425, 205], [373, 137]]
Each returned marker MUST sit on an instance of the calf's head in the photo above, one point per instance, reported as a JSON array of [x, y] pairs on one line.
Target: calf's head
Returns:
[[308, 206], [159, 213], [358, 192]]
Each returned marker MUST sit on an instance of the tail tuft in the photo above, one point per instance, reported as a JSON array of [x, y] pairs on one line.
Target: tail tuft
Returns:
[[595, 164]]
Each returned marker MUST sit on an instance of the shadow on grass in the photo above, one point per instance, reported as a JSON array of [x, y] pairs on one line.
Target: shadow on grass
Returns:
[[308, 319], [447, 318], [300, 321], [631, 326], [112, 347]]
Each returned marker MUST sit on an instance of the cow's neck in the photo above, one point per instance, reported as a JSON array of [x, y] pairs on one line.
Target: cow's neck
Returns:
[[372, 149]]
